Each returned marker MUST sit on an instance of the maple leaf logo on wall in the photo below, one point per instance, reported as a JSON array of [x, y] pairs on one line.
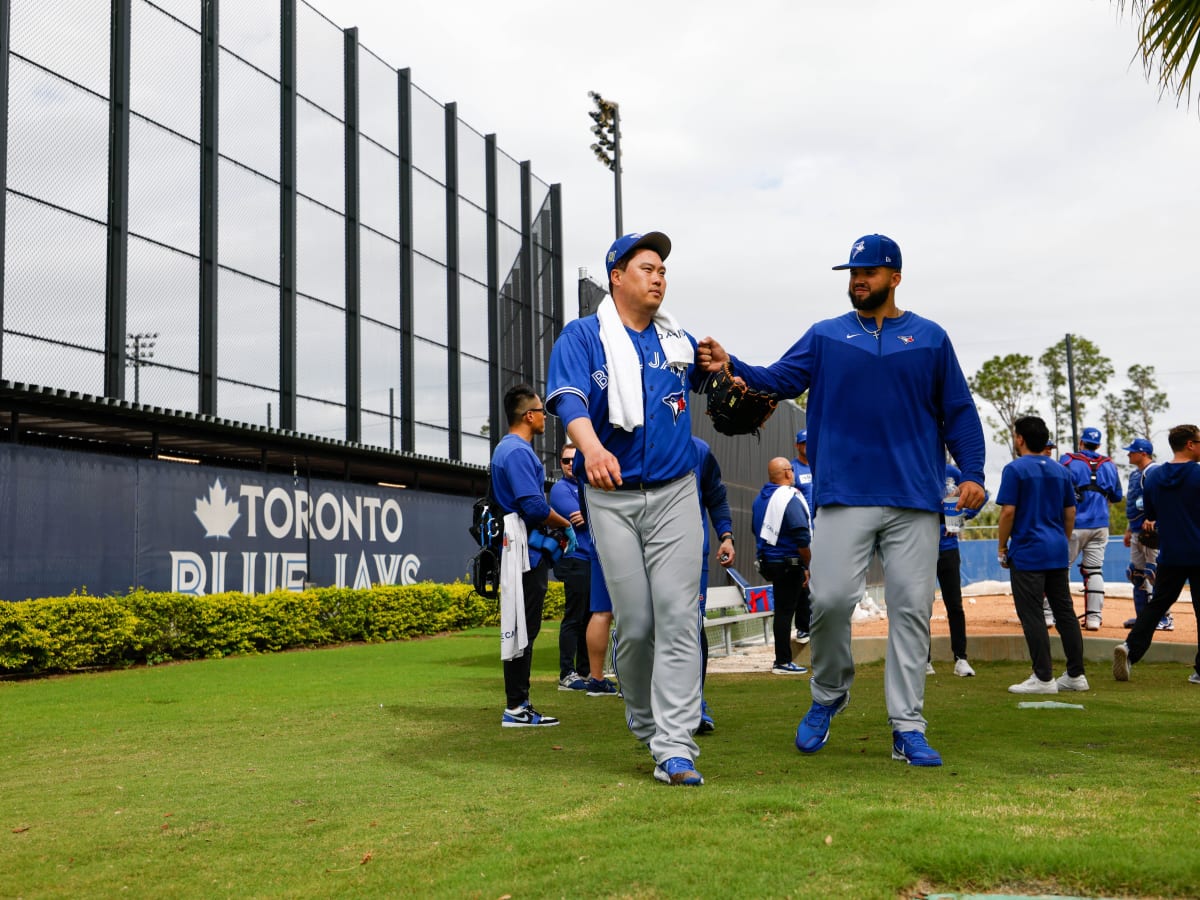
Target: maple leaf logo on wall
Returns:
[[217, 513]]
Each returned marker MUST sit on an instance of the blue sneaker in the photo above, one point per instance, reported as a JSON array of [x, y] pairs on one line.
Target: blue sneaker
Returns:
[[678, 770], [707, 725], [813, 730], [788, 668], [572, 681], [912, 748], [526, 717], [599, 687]]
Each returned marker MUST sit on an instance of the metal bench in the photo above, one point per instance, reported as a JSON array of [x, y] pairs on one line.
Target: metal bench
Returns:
[[726, 607]]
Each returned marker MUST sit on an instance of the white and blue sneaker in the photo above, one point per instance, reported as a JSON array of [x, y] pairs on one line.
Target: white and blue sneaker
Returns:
[[707, 725], [572, 681], [788, 669], [599, 687], [912, 748], [526, 717], [678, 770], [813, 730], [1166, 623]]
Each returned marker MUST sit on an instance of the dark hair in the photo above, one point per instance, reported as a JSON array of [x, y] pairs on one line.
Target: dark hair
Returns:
[[516, 402], [1180, 435], [1033, 431]]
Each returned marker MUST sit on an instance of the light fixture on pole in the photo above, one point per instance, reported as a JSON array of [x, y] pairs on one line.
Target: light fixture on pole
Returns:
[[607, 116], [139, 350]]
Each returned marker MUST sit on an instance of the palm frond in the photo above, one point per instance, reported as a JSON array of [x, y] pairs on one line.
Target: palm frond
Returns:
[[1168, 42]]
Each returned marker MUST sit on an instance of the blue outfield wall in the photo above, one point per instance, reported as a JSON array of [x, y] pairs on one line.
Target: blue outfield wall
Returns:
[[71, 521], [978, 562]]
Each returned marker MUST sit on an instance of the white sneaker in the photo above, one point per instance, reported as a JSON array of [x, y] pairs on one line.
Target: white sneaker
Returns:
[[929, 670], [1092, 622], [1194, 678], [963, 669], [1034, 685], [1121, 662], [1047, 614], [1067, 682]]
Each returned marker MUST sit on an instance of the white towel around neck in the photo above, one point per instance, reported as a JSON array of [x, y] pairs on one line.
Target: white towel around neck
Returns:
[[776, 507], [626, 407]]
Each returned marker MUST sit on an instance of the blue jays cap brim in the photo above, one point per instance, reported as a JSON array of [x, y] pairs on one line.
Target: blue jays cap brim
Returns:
[[628, 243], [1139, 445], [873, 251]]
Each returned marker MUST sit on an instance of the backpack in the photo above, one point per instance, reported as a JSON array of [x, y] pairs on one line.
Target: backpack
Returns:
[[487, 528], [1093, 464]]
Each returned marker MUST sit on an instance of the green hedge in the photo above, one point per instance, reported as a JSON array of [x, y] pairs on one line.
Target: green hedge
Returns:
[[65, 634]]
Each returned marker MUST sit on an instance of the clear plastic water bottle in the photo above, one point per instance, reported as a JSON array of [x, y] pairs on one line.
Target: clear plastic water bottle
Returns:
[[950, 511]]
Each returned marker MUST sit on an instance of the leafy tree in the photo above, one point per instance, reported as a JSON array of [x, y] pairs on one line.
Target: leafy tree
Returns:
[[1007, 384], [1169, 41], [1142, 402], [1116, 430], [1092, 369]]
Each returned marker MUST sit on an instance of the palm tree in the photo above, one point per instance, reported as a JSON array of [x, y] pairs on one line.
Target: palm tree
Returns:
[[1169, 41]]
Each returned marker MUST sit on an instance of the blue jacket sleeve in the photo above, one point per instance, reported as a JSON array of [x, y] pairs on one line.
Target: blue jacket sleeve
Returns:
[[714, 496], [963, 429]]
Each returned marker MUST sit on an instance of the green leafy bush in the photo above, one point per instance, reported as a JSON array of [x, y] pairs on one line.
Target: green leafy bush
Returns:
[[65, 634]]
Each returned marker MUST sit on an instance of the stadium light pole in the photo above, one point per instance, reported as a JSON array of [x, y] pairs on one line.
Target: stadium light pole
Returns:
[[607, 116], [139, 350]]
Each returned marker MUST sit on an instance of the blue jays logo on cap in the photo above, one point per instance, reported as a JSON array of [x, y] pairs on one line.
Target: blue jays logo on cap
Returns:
[[1091, 436], [1139, 445], [872, 250], [627, 243]]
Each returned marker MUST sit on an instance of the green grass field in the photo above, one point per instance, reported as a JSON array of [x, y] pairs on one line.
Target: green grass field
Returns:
[[382, 771]]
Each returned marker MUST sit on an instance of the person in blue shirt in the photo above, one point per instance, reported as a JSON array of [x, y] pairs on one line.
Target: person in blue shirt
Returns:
[[518, 486], [949, 578], [1143, 557], [781, 524], [620, 381], [1037, 513], [886, 399], [1097, 484], [803, 482], [714, 508], [574, 570], [1172, 509]]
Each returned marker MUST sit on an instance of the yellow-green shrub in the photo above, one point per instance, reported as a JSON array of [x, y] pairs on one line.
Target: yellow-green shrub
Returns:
[[63, 634]]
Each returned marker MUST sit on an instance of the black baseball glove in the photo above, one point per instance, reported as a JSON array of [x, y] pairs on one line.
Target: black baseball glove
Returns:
[[1148, 539], [735, 408]]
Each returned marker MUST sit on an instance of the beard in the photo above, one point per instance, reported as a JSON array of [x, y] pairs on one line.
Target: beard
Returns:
[[871, 302]]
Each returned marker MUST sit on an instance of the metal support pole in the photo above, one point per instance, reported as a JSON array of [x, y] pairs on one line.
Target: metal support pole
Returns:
[[210, 50], [287, 215], [117, 267], [617, 165]]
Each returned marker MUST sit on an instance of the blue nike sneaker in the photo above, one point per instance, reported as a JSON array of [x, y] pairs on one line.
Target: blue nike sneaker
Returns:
[[813, 730], [678, 770], [912, 748]]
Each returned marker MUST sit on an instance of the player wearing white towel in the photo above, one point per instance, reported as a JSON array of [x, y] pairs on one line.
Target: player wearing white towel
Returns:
[[620, 381]]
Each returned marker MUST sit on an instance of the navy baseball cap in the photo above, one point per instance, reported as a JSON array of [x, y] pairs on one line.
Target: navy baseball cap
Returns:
[[1091, 436], [1139, 445], [627, 243], [802, 436], [872, 250]]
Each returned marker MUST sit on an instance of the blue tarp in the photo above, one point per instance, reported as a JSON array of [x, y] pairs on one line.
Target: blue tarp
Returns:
[[979, 562]]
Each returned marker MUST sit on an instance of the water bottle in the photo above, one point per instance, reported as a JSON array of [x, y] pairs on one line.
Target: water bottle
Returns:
[[950, 511]]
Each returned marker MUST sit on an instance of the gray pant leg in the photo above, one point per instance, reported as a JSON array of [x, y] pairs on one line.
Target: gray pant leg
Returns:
[[1089, 545], [649, 544], [908, 547], [841, 551]]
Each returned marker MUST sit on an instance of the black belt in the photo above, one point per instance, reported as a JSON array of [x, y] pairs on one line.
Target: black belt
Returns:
[[650, 485], [788, 562]]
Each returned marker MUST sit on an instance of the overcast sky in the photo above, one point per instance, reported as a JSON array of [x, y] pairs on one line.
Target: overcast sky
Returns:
[[1034, 180]]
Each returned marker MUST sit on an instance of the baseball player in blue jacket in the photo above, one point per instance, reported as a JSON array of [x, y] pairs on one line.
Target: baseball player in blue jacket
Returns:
[[620, 381], [887, 397], [1097, 484]]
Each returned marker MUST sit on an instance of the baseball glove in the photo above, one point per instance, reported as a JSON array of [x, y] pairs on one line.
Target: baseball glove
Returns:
[[735, 408], [1148, 539]]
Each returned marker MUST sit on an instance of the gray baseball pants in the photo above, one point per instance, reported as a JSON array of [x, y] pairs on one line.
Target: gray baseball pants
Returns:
[[649, 544], [1088, 546], [907, 542]]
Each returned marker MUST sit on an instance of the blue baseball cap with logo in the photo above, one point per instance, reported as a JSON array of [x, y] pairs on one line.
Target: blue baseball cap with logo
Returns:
[[802, 436], [873, 250], [1139, 445], [627, 243], [1091, 436]]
